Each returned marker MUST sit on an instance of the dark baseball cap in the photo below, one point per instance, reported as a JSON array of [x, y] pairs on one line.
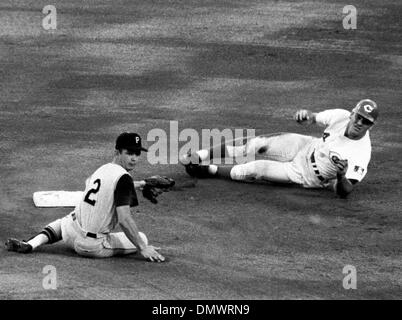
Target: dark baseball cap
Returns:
[[130, 141], [367, 109]]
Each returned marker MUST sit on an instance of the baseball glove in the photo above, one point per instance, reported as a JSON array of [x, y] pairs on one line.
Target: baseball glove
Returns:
[[155, 185]]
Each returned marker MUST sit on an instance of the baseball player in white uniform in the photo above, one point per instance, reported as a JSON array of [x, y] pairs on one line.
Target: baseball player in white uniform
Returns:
[[338, 159], [106, 202]]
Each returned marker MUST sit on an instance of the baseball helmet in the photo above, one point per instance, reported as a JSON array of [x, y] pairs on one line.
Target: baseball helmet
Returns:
[[368, 109]]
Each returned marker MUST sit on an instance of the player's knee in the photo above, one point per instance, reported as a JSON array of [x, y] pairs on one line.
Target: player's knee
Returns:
[[255, 144], [260, 168], [243, 172]]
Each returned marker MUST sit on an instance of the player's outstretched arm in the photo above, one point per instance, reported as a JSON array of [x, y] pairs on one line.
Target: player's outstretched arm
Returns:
[[343, 186], [130, 229], [304, 116]]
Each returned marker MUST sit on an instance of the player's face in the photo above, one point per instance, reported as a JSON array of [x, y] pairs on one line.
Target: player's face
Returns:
[[128, 159], [358, 126]]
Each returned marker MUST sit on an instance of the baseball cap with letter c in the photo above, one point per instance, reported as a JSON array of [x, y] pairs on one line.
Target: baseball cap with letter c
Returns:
[[130, 141], [367, 109]]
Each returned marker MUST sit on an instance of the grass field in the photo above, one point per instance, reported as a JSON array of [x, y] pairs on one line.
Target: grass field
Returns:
[[119, 65]]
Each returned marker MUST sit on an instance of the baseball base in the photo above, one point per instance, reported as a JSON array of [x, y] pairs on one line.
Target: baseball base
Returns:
[[53, 199]]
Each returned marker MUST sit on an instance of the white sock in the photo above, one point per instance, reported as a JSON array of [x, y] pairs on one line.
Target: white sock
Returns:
[[212, 169], [203, 154], [38, 240]]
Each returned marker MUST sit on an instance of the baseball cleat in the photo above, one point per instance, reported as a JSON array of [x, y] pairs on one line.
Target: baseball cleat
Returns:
[[18, 246], [197, 170]]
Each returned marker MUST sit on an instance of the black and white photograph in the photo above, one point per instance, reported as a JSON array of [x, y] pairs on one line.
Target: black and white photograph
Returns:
[[218, 151]]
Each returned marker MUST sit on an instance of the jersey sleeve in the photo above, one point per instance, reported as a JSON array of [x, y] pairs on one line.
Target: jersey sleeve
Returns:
[[328, 117], [356, 171], [125, 194]]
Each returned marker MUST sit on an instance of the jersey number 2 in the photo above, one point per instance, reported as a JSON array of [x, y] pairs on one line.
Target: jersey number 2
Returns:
[[94, 191]]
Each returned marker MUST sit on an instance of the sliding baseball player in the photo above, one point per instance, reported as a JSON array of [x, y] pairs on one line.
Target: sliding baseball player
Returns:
[[339, 158]]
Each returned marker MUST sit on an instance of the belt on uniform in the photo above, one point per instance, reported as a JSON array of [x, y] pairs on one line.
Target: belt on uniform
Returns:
[[317, 173], [88, 234]]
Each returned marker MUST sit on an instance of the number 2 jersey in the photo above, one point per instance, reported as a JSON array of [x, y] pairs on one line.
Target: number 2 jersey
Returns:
[[333, 146], [96, 212]]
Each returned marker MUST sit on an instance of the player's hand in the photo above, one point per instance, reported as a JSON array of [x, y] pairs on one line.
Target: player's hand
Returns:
[[341, 167], [303, 115], [150, 253]]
